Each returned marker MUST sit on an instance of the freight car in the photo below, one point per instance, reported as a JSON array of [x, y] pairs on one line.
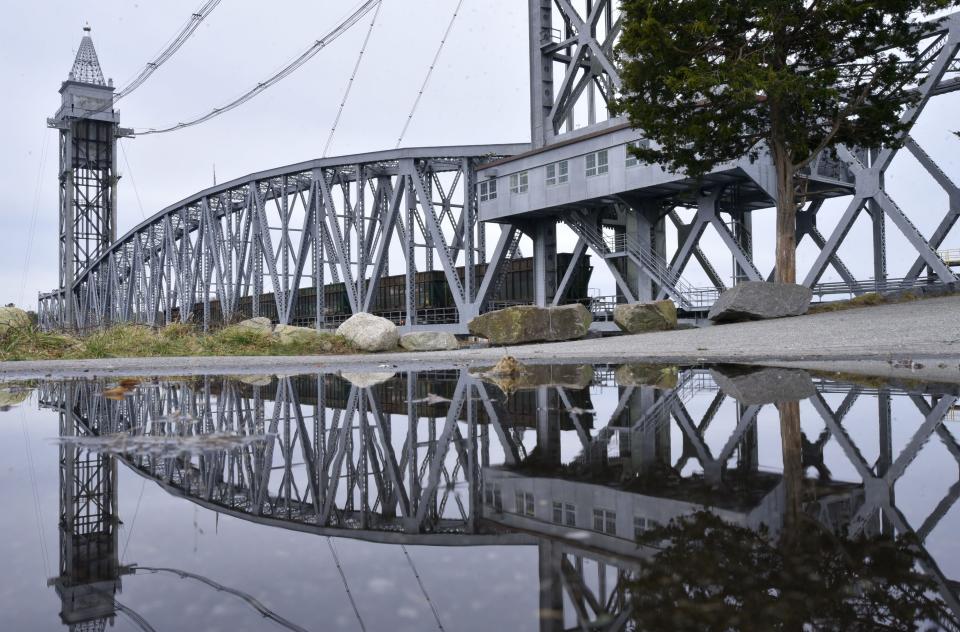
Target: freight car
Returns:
[[432, 297]]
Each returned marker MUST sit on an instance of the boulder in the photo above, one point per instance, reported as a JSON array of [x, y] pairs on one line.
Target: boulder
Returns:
[[10, 397], [259, 324], [658, 376], [289, 335], [767, 385], [254, 380], [369, 333], [429, 341], [527, 323], [366, 380], [638, 318], [12, 318], [511, 376], [756, 300]]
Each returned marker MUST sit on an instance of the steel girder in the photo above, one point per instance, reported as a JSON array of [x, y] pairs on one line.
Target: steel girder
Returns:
[[276, 232], [578, 37], [571, 44]]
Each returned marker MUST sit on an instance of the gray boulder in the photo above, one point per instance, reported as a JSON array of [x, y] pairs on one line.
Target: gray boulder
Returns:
[[767, 385], [639, 318], [656, 375], [258, 324], [12, 318], [288, 335], [369, 333], [368, 379], [254, 380], [528, 323], [757, 300], [429, 341]]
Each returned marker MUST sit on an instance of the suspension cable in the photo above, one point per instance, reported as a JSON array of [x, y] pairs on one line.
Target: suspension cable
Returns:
[[426, 79], [133, 181], [346, 94], [33, 217], [346, 586], [38, 511], [436, 615], [178, 40], [284, 72], [252, 601]]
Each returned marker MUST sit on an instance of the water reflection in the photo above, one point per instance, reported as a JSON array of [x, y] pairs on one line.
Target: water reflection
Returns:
[[452, 458]]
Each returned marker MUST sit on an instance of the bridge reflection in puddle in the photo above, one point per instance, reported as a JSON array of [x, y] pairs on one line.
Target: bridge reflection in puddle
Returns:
[[578, 462]]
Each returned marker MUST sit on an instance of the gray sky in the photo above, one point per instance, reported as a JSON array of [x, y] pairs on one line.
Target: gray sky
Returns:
[[478, 94]]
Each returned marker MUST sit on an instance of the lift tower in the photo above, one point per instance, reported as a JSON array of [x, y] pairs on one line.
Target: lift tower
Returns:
[[89, 128]]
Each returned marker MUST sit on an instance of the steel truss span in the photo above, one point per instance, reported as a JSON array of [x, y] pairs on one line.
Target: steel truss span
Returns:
[[254, 245]]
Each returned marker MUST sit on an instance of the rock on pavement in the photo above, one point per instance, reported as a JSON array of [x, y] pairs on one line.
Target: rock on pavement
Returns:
[[369, 333], [259, 324], [767, 385], [638, 318], [658, 376], [757, 300], [429, 341], [288, 335], [12, 318], [528, 323]]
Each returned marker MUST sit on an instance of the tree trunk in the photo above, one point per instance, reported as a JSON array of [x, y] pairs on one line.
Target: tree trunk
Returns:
[[786, 254], [792, 451]]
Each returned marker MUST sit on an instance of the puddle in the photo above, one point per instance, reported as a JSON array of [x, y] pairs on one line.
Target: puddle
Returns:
[[543, 497]]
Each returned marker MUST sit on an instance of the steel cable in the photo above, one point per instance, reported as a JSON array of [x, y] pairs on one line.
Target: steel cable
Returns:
[[433, 608], [343, 576], [33, 218], [284, 72], [426, 79], [346, 94], [168, 52]]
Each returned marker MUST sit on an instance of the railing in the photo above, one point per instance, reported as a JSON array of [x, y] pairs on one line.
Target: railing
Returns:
[[870, 285], [950, 257], [671, 282]]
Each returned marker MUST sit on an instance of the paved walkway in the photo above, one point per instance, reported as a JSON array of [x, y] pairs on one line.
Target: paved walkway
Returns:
[[901, 336]]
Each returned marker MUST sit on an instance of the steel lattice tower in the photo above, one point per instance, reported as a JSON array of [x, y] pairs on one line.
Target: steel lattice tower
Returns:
[[89, 128]]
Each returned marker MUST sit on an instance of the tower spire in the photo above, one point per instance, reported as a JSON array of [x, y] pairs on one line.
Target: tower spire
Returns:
[[86, 67]]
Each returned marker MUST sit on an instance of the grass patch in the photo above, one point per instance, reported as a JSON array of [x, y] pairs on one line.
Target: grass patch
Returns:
[[177, 340], [864, 300]]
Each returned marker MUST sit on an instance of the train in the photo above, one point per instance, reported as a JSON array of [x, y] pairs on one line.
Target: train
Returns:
[[433, 300]]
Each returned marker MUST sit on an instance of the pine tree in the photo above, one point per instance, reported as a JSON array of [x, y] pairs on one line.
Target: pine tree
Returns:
[[710, 81]]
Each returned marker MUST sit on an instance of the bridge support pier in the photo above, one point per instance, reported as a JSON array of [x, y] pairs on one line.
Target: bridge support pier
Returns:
[[544, 234]]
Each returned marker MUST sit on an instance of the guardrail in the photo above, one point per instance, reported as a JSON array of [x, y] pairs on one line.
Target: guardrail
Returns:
[[951, 256]]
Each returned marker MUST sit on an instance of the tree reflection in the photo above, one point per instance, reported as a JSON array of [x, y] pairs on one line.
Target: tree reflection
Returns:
[[712, 575]]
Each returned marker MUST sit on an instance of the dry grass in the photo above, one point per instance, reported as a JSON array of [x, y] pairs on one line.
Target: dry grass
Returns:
[[136, 341], [864, 300]]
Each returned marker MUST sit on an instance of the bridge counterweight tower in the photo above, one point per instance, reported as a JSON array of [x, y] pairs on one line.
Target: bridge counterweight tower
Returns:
[[89, 128]]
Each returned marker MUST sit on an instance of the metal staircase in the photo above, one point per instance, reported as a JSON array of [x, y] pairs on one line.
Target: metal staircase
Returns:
[[688, 298]]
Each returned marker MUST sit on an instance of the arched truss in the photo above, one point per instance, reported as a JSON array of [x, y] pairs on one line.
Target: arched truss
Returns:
[[251, 246]]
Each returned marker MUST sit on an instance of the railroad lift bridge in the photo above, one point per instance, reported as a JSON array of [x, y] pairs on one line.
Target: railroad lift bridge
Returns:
[[311, 243]]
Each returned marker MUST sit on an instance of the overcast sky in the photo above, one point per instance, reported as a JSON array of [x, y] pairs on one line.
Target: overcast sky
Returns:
[[478, 94]]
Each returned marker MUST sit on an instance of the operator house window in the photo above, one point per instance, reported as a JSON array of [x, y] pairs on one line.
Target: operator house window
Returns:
[[519, 182], [641, 525], [631, 159], [524, 503], [488, 190], [597, 163], [558, 173], [565, 513], [605, 521]]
